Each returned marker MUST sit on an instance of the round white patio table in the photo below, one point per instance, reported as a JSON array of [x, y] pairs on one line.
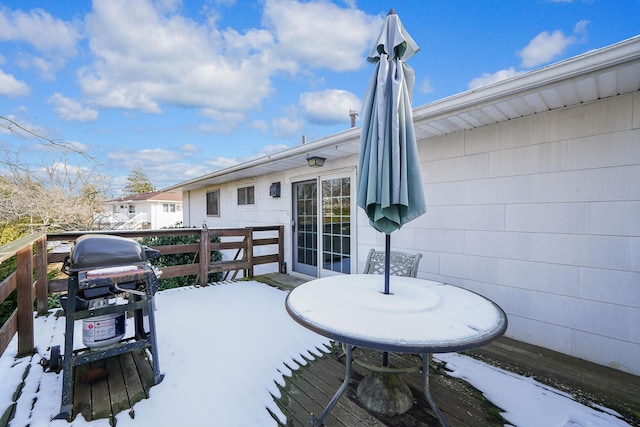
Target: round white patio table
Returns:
[[417, 316]]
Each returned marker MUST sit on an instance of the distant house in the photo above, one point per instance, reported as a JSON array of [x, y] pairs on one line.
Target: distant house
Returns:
[[533, 200], [142, 211]]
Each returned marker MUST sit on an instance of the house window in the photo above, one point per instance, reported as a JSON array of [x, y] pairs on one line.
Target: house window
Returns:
[[168, 207], [246, 196], [213, 203]]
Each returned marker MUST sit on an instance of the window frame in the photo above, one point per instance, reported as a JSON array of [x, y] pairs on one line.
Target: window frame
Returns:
[[213, 206], [246, 195]]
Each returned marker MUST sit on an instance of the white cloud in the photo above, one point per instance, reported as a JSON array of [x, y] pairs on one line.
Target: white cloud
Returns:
[[129, 158], [144, 58], [45, 67], [221, 162], [39, 29], [580, 30], [329, 106], [54, 39], [546, 46], [62, 146], [71, 110], [286, 127], [541, 49], [487, 78], [10, 86], [163, 167], [260, 125], [147, 56], [426, 86], [190, 149], [321, 34], [223, 122], [68, 168]]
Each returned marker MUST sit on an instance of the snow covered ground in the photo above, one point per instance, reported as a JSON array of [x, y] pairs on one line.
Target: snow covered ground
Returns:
[[225, 348]]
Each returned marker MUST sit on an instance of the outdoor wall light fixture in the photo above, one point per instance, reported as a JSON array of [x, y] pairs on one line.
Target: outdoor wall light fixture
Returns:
[[315, 161]]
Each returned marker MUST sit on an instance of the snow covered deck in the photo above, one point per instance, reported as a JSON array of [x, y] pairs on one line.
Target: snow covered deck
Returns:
[[232, 356]]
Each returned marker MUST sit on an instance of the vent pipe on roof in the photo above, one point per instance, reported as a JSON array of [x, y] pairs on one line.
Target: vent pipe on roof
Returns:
[[353, 116], [304, 139]]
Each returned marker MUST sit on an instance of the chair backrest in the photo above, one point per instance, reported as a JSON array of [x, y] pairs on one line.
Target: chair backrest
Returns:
[[400, 263]]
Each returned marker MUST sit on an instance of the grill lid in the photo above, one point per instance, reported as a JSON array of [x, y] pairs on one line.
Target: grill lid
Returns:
[[100, 250]]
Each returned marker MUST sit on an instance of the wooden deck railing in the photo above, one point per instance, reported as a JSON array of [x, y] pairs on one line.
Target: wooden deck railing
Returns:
[[31, 251]]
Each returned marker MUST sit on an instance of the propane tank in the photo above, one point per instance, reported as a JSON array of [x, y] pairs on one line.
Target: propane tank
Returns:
[[103, 331]]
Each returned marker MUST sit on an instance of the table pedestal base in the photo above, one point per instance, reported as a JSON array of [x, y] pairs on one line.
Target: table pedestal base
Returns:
[[385, 393], [426, 360]]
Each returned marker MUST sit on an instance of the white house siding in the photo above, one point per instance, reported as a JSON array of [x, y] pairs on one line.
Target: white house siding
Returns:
[[154, 213], [542, 215], [266, 211]]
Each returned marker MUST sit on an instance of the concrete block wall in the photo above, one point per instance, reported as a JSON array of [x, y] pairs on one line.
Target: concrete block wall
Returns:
[[542, 215]]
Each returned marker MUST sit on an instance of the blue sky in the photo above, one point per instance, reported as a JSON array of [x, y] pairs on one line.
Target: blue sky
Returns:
[[183, 88]]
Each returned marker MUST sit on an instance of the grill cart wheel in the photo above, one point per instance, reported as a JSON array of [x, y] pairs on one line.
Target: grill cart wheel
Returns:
[[55, 359]]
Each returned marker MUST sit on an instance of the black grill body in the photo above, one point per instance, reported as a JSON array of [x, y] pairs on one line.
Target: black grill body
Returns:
[[104, 266]]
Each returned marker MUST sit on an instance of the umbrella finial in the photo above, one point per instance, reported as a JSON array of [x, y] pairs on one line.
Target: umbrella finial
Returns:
[[392, 11]]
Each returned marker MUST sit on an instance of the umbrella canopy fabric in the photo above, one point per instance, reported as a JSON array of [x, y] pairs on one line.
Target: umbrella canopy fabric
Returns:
[[389, 182]]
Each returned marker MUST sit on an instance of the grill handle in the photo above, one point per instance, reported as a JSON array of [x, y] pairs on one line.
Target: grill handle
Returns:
[[129, 291]]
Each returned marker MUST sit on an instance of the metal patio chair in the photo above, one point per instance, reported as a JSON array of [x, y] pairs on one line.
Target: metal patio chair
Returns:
[[401, 264]]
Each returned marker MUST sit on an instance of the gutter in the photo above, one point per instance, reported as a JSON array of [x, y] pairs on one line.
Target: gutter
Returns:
[[579, 66], [291, 153]]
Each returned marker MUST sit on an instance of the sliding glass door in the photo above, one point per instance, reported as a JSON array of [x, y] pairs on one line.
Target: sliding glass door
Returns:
[[323, 231]]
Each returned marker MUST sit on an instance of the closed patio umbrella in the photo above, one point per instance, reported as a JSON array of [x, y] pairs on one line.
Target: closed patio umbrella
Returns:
[[389, 182]]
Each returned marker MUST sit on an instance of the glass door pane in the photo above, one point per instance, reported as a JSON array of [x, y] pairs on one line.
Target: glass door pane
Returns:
[[305, 228], [336, 225]]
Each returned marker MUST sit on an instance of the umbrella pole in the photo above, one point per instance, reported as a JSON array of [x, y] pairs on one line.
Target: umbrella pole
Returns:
[[387, 262]]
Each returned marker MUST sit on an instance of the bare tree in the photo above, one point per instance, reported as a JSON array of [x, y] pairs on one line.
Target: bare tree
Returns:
[[53, 196], [17, 129]]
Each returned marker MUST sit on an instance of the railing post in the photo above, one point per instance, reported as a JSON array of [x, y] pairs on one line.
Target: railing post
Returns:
[[42, 288], [249, 250], [281, 249], [24, 285], [205, 256]]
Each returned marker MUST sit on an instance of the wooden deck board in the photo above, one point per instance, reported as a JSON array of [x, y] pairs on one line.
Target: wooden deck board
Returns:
[[118, 392], [296, 413], [314, 387], [328, 378], [145, 371], [129, 378], [461, 404], [81, 393], [100, 399], [132, 380]]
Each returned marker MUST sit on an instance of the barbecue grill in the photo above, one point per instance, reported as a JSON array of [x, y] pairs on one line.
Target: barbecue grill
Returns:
[[108, 277]]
